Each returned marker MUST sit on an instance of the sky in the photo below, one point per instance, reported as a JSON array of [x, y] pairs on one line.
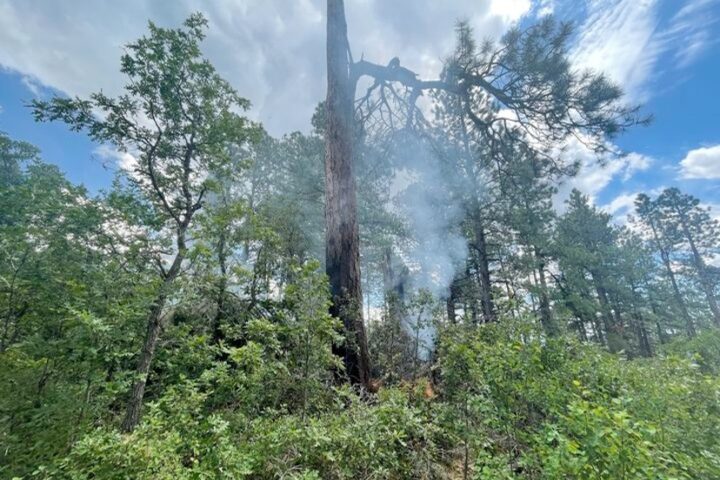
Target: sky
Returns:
[[664, 53]]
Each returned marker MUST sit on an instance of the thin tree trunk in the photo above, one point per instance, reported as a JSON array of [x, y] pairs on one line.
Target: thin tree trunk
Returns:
[[483, 266], [641, 330], [607, 321], [342, 252], [662, 335], [450, 302], [474, 297], [546, 316], [678, 296], [701, 270], [665, 256], [221, 290], [154, 327]]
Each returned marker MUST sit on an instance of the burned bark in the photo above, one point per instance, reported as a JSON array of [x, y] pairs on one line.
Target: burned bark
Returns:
[[342, 254]]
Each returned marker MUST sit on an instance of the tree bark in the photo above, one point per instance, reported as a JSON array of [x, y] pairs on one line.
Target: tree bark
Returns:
[[154, 327], [342, 254], [450, 302], [546, 316], [483, 266], [606, 315], [665, 256], [217, 333], [701, 269]]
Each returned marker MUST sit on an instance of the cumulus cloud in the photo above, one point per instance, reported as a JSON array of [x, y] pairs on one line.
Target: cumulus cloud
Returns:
[[122, 160], [621, 203], [595, 172], [701, 163], [621, 206]]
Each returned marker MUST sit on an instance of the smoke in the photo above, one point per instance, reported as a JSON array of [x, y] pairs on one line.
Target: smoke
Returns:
[[433, 215]]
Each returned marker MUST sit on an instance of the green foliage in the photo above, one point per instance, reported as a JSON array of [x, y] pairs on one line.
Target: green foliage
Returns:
[[234, 336], [179, 439], [573, 411], [703, 350]]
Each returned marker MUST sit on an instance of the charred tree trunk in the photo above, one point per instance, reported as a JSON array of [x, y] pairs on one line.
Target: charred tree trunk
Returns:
[[342, 253]]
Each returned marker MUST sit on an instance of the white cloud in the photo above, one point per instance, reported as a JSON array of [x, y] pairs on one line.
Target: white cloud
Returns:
[[695, 23], [621, 203], [122, 160], [596, 173], [510, 10], [271, 51], [545, 7], [617, 39], [626, 38], [635, 162], [621, 206], [701, 163], [31, 85]]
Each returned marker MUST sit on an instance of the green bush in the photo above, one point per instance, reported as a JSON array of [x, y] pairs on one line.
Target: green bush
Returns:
[[510, 404]]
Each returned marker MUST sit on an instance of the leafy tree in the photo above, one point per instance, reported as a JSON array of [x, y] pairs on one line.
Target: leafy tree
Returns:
[[177, 118], [585, 242]]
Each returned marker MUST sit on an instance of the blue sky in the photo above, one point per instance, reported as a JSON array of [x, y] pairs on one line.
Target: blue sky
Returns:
[[665, 53]]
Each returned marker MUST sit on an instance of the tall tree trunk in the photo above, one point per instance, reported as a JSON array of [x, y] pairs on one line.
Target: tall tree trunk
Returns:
[[662, 335], [546, 316], [483, 268], [450, 302], [641, 333], [342, 253], [154, 327], [217, 333], [701, 270], [640, 329], [678, 296], [394, 290], [605, 314], [471, 292], [665, 256]]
